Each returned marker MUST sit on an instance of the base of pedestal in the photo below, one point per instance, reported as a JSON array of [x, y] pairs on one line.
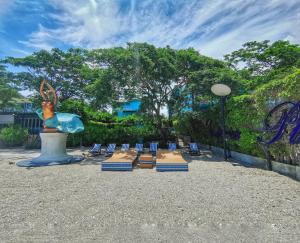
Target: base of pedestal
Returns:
[[37, 163], [53, 152]]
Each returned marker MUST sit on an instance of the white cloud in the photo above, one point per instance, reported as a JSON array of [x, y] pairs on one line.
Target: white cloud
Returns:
[[41, 39], [214, 27]]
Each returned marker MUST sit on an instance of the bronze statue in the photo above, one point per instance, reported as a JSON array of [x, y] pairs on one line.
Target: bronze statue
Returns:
[[56, 121], [48, 104]]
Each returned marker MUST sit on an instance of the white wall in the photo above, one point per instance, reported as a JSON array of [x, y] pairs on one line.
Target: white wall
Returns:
[[6, 119]]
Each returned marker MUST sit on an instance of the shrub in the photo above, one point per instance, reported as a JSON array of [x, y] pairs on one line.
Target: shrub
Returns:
[[104, 134], [13, 135], [74, 139]]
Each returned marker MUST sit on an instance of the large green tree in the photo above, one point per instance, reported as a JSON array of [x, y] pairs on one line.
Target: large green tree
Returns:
[[8, 91], [140, 71], [260, 62], [68, 71], [199, 73]]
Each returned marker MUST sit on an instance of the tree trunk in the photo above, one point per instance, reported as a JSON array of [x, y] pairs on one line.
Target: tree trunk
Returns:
[[159, 125]]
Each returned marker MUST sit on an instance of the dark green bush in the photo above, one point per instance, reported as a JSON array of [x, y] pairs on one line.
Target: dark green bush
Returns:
[[241, 115], [13, 135], [118, 133]]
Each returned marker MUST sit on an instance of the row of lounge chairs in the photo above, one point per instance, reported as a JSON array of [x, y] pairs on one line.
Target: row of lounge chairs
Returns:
[[96, 149], [165, 160]]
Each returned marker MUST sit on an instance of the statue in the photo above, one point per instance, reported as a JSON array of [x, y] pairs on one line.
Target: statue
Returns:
[[48, 105], [56, 128], [56, 121]]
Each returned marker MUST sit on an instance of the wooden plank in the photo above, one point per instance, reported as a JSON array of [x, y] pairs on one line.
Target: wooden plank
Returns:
[[146, 157]]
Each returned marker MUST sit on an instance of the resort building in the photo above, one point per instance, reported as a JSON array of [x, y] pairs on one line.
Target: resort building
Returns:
[[128, 108]]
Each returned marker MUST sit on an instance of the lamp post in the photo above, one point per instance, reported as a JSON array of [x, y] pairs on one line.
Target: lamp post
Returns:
[[222, 91]]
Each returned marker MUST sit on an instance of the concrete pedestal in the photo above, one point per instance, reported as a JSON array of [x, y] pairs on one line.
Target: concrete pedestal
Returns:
[[53, 151]]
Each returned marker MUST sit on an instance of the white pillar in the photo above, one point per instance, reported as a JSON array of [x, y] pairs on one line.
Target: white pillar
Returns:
[[53, 148]]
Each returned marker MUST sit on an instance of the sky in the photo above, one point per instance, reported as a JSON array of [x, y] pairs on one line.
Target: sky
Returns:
[[214, 27]]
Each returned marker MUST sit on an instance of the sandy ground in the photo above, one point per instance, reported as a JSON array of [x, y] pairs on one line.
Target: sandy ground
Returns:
[[215, 201]]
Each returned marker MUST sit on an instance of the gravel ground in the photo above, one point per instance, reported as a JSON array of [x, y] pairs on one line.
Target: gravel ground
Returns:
[[215, 201]]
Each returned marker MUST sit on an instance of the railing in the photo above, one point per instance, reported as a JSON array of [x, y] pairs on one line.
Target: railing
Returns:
[[31, 121]]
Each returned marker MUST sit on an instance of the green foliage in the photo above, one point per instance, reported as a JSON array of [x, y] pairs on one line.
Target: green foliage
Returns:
[[273, 75], [13, 135], [67, 70], [247, 143], [104, 134], [197, 125], [8, 93], [260, 74], [286, 87], [261, 57], [242, 112]]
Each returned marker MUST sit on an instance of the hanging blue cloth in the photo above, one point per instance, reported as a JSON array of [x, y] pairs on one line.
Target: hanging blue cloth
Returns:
[[64, 122]]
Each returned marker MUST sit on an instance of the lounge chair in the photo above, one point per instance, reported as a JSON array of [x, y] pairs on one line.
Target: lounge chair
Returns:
[[139, 147], [172, 146], [170, 161], [153, 148], [120, 161], [110, 149], [194, 149], [95, 150], [125, 147]]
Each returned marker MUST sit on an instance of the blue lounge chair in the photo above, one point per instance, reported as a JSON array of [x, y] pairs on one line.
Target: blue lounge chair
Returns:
[[125, 147], [139, 147], [172, 146], [194, 149], [153, 148], [95, 150], [110, 149]]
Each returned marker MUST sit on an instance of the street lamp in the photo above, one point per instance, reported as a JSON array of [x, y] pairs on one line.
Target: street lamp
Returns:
[[222, 91]]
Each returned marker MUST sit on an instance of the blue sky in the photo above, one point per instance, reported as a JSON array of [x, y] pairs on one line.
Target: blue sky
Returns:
[[214, 27]]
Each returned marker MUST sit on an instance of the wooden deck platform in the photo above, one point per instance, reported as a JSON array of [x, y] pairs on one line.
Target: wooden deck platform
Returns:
[[120, 161], [170, 161], [146, 161]]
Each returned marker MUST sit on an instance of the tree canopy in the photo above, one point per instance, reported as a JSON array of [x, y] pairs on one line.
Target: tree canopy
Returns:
[[8, 91], [259, 73]]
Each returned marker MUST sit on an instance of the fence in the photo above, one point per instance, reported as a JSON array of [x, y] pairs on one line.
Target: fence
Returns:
[[31, 121]]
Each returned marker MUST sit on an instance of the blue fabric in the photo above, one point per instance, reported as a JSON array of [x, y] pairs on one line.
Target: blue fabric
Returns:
[[125, 147], [139, 147], [64, 122], [153, 147], [172, 146], [111, 148], [161, 167], [116, 166], [96, 148], [194, 147]]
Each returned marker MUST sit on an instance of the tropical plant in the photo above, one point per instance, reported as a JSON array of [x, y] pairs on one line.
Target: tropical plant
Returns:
[[13, 135]]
